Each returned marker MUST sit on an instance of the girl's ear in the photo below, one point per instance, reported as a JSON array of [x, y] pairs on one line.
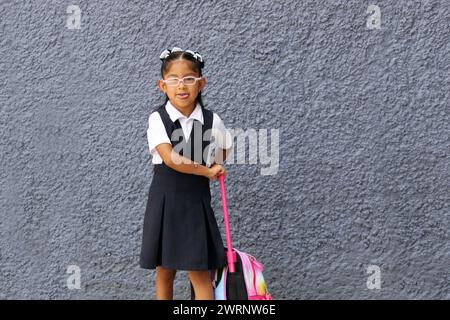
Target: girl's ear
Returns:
[[161, 85], [201, 84]]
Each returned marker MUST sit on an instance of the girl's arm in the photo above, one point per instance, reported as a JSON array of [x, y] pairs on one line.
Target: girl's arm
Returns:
[[223, 138], [182, 164], [222, 155]]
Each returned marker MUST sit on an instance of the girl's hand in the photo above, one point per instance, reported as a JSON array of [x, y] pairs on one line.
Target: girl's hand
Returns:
[[215, 171]]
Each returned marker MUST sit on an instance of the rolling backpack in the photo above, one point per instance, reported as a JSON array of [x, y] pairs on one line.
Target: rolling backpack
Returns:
[[242, 278]]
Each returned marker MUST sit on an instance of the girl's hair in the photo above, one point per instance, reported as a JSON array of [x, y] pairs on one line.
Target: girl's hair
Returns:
[[182, 55]]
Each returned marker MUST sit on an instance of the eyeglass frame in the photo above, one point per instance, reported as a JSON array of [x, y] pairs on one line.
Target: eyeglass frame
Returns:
[[182, 80]]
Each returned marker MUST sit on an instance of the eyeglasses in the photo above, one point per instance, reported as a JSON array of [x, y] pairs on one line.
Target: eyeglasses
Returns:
[[189, 81]]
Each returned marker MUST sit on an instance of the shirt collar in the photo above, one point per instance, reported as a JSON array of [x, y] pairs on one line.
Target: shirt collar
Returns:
[[174, 114]]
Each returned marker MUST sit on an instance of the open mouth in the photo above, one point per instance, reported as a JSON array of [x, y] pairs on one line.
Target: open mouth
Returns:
[[182, 95]]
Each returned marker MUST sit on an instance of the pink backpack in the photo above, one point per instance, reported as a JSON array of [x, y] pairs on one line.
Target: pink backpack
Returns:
[[242, 278]]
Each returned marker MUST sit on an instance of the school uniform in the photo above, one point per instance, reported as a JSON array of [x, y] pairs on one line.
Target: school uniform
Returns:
[[180, 229]]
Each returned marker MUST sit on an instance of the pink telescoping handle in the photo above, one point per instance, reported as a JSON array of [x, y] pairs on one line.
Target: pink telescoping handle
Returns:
[[231, 255]]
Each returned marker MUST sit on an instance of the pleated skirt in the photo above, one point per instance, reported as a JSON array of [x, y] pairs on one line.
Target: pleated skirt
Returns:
[[180, 230]]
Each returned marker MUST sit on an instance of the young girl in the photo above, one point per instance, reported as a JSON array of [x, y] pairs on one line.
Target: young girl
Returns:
[[180, 230]]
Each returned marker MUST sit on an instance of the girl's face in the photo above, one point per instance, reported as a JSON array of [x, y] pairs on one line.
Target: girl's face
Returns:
[[181, 95]]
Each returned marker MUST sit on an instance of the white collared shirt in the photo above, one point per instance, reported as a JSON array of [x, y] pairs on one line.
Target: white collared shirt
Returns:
[[156, 132]]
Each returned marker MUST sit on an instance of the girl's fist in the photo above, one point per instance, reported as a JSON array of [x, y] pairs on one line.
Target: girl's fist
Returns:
[[215, 171]]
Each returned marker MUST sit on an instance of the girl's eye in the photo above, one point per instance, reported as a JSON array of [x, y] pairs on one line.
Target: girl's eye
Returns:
[[189, 80], [172, 81]]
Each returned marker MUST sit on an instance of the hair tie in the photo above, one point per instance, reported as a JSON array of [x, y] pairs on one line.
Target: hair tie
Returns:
[[195, 54], [164, 54]]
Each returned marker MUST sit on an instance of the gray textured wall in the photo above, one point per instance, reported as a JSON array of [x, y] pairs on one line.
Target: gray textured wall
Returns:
[[363, 116]]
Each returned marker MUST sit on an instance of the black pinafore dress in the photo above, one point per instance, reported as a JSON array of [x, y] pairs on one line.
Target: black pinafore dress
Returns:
[[180, 230]]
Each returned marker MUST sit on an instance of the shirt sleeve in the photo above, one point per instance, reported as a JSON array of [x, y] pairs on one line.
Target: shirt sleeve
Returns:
[[156, 132], [221, 134]]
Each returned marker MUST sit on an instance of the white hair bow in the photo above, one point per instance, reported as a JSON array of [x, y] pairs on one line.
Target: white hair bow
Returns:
[[167, 52], [196, 55]]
